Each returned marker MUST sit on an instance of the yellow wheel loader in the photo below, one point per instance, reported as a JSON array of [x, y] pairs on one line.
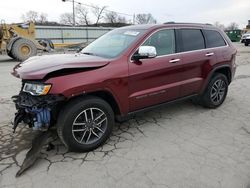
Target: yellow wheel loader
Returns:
[[18, 41]]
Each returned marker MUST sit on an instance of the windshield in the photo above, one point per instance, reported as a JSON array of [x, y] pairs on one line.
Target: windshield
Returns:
[[113, 43]]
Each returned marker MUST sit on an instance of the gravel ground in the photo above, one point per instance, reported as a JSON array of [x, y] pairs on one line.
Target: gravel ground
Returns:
[[181, 145]]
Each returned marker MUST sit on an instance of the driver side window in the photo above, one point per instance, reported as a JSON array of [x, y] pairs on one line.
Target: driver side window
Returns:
[[163, 41]]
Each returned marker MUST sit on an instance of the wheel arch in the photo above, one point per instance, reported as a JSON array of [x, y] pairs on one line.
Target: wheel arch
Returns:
[[224, 69], [109, 98], [106, 96]]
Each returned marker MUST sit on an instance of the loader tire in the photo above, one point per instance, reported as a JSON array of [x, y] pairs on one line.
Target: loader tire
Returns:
[[22, 49], [10, 54], [1, 32]]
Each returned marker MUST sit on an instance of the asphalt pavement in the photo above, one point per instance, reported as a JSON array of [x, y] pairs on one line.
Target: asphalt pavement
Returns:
[[179, 146]]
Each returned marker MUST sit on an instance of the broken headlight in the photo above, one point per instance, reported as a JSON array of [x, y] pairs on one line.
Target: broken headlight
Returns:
[[36, 89]]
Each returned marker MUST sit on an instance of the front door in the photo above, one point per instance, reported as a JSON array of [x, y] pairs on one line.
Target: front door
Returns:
[[155, 80]]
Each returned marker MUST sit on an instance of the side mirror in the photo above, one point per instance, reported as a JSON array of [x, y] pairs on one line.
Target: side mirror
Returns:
[[145, 52]]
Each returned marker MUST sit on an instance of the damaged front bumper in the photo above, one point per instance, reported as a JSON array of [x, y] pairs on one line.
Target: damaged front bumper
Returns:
[[38, 112]]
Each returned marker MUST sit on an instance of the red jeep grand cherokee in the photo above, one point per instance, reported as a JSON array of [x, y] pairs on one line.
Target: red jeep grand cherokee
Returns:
[[126, 71]]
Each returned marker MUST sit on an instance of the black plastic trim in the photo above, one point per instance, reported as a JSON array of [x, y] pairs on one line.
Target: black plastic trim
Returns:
[[133, 113]]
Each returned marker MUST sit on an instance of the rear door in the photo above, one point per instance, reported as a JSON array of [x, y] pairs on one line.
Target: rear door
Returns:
[[195, 59], [217, 44]]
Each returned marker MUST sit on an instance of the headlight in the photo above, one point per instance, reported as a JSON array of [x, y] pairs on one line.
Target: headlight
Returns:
[[36, 89]]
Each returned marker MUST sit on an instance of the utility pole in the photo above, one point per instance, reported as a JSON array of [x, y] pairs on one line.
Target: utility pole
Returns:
[[74, 17]]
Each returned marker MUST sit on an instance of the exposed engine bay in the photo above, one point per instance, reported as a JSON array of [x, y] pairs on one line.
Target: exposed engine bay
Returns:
[[39, 113]]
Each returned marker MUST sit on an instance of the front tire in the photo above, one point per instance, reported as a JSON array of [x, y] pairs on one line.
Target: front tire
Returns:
[[10, 54], [215, 92], [85, 123]]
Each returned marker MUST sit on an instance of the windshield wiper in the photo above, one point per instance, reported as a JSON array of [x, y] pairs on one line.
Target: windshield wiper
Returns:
[[88, 53]]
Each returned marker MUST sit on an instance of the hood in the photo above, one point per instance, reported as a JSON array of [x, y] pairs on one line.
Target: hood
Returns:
[[38, 67]]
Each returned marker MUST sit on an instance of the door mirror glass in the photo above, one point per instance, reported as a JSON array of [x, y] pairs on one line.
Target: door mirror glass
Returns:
[[145, 52]]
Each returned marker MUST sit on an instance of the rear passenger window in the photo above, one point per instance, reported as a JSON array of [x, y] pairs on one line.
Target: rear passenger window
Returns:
[[192, 39], [214, 39]]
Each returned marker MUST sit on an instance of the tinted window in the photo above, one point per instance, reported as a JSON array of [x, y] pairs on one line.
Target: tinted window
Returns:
[[163, 41], [214, 39], [192, 39]]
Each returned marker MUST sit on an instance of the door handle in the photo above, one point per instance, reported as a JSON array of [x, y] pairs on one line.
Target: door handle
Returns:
[[209, 54], [174, 60]]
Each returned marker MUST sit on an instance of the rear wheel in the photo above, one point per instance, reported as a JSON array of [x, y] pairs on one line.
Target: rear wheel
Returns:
[[215, 92], [246, 43], [85, 124], [22, 49]]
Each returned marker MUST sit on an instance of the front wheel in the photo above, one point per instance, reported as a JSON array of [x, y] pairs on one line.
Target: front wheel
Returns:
[[22, 49], [215, 92], [85, 123], [9, 53]]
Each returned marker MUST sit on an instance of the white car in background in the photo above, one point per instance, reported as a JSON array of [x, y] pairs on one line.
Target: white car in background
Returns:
[[246, 38]]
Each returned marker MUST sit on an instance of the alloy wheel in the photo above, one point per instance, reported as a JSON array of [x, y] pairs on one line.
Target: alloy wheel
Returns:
[[218, 91], [89, 126]]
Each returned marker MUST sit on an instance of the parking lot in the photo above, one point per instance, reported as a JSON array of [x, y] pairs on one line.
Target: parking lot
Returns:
[[181, 145]]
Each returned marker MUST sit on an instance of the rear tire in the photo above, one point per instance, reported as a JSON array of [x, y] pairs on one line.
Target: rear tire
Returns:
[[215, 92], [22, 49], [85, 123], [246, 43]]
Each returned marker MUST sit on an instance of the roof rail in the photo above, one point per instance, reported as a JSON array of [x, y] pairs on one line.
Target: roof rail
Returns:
[[186, 23], [169, 23]]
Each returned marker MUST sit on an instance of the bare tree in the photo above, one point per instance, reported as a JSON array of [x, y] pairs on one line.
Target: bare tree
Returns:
[[43, 17], [122, 19], [33, 16], [219, 25], [66, 18], [30, 16], [145, 19], [111, 17], [82, 14], [98, 13], [232, 26]]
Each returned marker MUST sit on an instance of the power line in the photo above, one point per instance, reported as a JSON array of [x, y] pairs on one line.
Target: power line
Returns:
[[96, 7]]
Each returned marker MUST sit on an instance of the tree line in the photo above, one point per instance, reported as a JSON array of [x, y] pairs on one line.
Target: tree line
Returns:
[[101, 16], [89, 17], [231, 26]]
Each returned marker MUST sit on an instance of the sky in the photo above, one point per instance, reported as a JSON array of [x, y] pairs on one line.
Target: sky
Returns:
[[200, 11]]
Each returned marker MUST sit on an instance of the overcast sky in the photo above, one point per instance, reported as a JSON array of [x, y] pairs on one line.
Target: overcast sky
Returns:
[[209, 11]]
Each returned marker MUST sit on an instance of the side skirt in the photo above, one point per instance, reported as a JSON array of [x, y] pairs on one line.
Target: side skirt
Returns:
[[130, 115]]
